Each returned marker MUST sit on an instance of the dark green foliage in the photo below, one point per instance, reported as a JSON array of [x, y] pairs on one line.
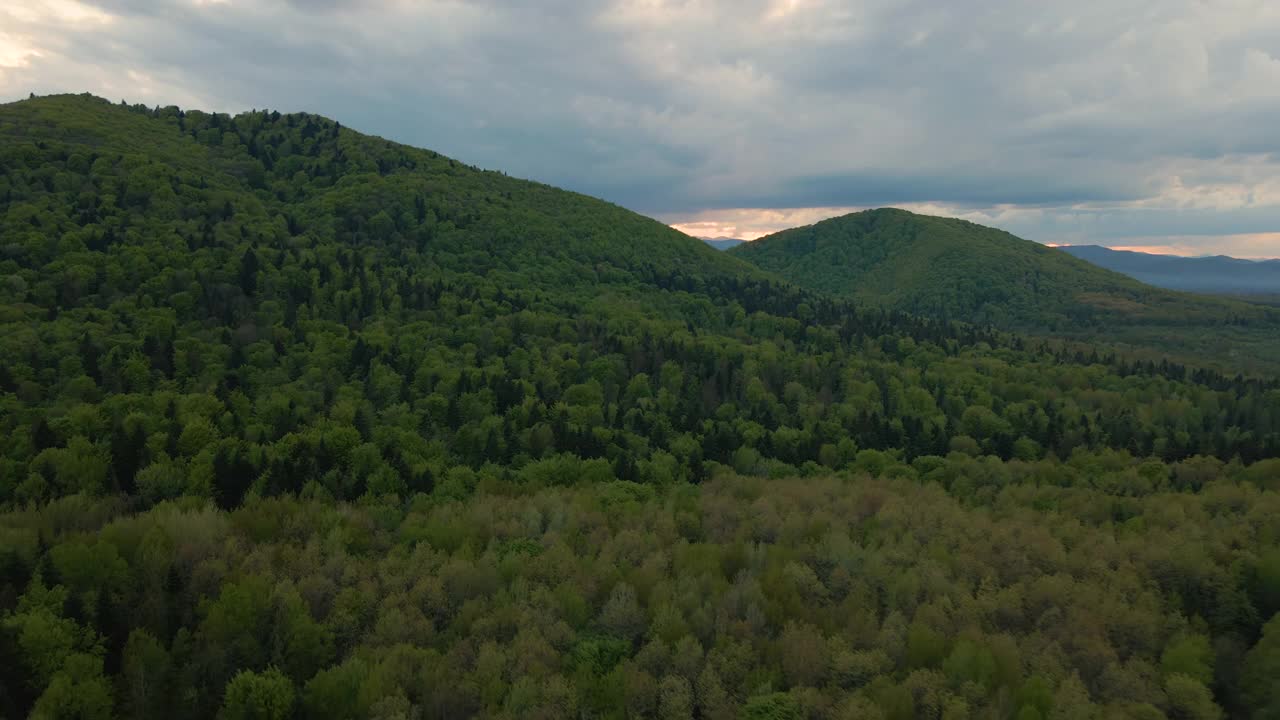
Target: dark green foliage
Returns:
[[369, 317]]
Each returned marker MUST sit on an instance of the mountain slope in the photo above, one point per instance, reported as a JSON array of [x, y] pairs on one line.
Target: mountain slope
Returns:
[[1218, 274], [338, 182], [326, 277]]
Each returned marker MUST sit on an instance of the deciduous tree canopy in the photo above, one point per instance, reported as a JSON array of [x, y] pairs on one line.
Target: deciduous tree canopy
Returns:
[[296, 422]]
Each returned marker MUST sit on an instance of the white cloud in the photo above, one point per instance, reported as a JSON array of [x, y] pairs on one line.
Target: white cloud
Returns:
[[16, 51], [26, 32]]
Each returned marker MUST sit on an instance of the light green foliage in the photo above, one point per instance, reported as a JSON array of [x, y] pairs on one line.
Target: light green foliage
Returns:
[[302, 646], [1189, 655], [45, 641], [258, 696], [776, 706], [78, 691], [336, 692], [1035, 698], [589, 597], [1190, 699], [970, 662]]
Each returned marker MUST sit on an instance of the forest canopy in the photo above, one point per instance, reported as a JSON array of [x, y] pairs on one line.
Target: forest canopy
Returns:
[[297, 422]]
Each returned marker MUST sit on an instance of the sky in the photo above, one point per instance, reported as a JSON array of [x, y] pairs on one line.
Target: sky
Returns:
[[1143, 124]]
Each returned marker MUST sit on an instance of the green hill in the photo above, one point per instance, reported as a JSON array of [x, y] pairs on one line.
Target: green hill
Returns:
[[291, 176], [950, 268], [298, 422]]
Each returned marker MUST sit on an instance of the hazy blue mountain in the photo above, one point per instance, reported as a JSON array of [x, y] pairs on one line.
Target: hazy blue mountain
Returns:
[[722, 243], [1217, 274]]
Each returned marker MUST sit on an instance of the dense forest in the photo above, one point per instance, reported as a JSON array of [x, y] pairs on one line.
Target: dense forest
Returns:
[[296, 422], [950, 268]]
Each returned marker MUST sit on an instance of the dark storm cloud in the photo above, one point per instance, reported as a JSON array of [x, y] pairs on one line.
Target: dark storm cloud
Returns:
[[1116, 118]]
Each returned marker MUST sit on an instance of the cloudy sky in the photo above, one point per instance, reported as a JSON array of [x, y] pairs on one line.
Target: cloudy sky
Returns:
[[1130, 123]]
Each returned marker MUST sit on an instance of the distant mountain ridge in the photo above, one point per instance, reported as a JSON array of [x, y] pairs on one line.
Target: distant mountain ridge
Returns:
[[1215, 274], [722, 243]]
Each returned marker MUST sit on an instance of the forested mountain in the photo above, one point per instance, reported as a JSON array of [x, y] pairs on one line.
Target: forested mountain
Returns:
[[1217, 274], [297, 422], [949, 268]]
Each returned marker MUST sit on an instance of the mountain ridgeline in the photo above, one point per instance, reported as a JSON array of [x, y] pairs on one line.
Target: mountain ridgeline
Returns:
[[299, 422], [955, 269], [1217, 274]]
